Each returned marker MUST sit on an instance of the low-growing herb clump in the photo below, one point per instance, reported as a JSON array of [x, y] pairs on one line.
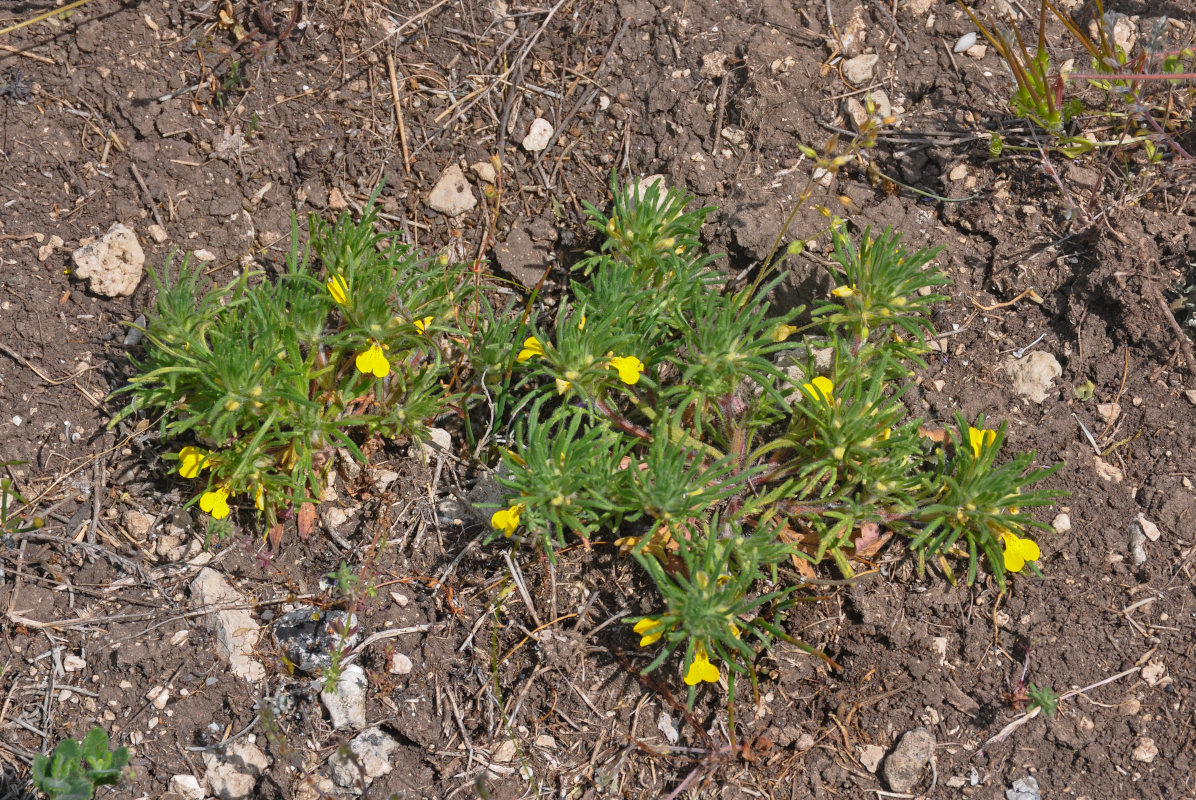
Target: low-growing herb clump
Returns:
[[273, 379], [716, 440], [728, 447]]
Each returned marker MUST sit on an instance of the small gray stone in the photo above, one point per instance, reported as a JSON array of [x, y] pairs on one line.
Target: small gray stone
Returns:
[[137, 523], [346, 700], [538, 135], [903, 768], [452, 194], [369, 757], [858, 70], [112, 264], [400, 664], [441, 441], [964, 42], [1023, 789], [485, 171]]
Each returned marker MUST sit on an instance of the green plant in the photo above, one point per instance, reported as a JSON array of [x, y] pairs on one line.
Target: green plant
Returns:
[[1042, 697], [270, 379], [74, 771], [235, 81], [1125, 79], [9, 523], [1039, 94], [683, 417]]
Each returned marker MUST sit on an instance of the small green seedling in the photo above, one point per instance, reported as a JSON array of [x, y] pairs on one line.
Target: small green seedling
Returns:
[[64, 777], [11, 523], [1042, 697]]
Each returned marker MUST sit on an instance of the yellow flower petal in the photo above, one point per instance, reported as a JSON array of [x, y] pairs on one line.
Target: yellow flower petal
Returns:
[[192, 461], [650, 631], [979, 438], [215, 502], [628, 367], [421, 325], [259, 498], [338, 289], [700, 669], [562, 385], [783, 332], [373, 362], [843, 291], [581, 325], [507, 519], [1018, 551], [820, 389], [531, 348]]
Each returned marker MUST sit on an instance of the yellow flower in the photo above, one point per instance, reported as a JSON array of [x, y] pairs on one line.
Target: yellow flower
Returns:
[[843, 292], [338, 289], [650, 630], [421, 325], [562, 385], [507, 519], [783, 332], [700, 669], [629, 368], [373, 361], [820, 389], [531, 349], [1018, 551], [979, 438], [581, 326], [215, 502], [192, 461], [259, 498]]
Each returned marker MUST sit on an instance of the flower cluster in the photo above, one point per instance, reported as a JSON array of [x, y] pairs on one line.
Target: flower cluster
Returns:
[[214, 501]]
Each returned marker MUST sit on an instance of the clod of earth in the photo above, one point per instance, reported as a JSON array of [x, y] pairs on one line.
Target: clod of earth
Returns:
[[113, 264], [234, 775], [371, 758], [1023, 789], [1032, 374], [870, 756], [1146, 751]]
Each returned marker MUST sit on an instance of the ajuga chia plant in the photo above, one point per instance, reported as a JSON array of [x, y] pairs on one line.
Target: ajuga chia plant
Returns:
[[262, 381], [688, 424]]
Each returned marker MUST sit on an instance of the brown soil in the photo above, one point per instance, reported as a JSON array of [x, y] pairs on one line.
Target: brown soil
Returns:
[[129, 112]]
